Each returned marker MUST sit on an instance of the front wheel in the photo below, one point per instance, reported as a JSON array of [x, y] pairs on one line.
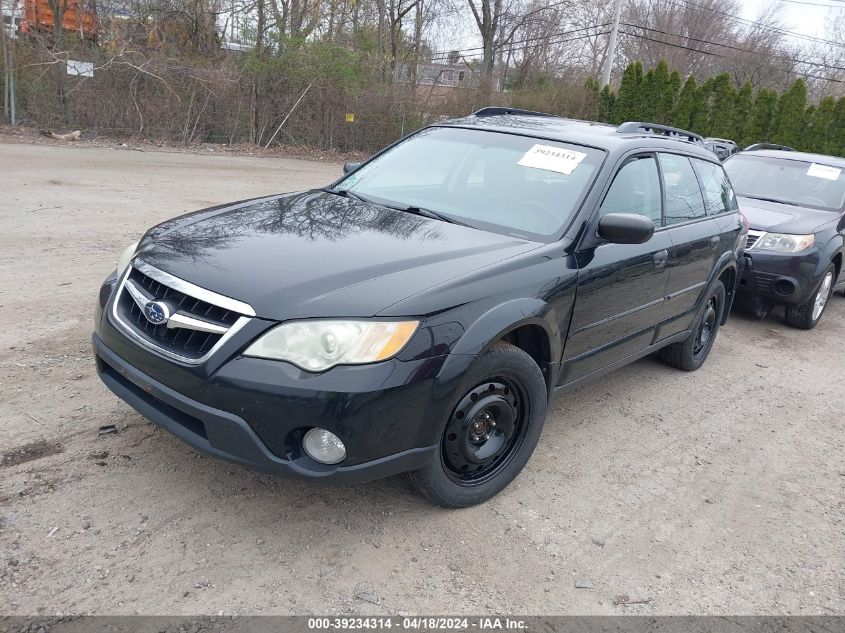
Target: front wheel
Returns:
[[691, 353], [807, 315], [491, 431]]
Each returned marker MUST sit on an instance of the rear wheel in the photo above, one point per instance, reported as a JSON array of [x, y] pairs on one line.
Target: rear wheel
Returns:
[[491, 432], [806, 315], [691, 353]]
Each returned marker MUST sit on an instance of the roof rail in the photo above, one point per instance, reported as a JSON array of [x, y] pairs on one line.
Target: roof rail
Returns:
[[783, 148], [633, 127], [497, 110]]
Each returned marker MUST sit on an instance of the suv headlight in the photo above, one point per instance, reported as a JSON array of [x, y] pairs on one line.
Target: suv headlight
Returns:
[[783, 242], [319, 345], [126, 257]]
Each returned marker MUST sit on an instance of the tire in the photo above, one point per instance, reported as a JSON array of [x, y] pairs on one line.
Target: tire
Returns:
[[491, 432], [691, 353], [807, 315]]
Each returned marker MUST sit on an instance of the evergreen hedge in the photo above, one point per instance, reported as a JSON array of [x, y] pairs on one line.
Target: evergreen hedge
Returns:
[[719, 108]]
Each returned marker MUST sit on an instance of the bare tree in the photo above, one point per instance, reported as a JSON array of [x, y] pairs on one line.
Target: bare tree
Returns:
[[704, 38], [487, 14]]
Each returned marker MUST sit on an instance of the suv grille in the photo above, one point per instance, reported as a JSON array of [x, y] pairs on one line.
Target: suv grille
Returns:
[[199, 325], [753, 236]]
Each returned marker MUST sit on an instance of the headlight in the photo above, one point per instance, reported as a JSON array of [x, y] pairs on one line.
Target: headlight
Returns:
[[319, 345], [125, 258], [784, 243]]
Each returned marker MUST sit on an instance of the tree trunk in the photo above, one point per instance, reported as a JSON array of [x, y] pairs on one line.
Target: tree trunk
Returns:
[[485, 85], [415, 62], [261, 26], [6, 65], [487, 20], [382, 24]]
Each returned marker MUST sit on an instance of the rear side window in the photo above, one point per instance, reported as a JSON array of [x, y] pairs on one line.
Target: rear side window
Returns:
[[684, 201], [635, 189], [718, 193]]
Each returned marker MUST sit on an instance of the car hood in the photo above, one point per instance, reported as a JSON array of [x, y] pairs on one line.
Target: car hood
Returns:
[[316, 254], [783, 218]]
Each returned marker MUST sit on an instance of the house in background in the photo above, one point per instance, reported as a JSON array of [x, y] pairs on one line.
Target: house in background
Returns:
[[438, 74], [439, 79]]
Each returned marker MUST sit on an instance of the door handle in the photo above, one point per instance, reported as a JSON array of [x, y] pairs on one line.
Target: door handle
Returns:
[[660, 259], [714, 241]]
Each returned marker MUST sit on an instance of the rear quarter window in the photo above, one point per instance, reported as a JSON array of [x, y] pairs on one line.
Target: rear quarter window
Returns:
[[684, 201], [718, 193]]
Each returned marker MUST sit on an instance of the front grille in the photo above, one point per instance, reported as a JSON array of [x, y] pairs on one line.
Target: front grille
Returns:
[[753, 236], [183, 342]]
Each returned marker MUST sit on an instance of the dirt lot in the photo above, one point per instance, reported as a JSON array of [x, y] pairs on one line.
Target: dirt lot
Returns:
[[654, 491]]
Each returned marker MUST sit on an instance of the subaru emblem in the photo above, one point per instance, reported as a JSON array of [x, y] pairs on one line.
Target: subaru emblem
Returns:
[[156, 312]]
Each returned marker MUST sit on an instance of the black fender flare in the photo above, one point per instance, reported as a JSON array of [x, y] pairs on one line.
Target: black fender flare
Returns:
[[827, 253], [727, 261], [491, 326]]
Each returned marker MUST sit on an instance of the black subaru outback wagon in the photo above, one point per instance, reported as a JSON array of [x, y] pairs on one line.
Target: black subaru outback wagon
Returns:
[[419, 314]]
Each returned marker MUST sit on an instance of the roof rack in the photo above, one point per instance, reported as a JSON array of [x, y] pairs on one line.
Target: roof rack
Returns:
[[783, 148], [498, 110], [634, 127]]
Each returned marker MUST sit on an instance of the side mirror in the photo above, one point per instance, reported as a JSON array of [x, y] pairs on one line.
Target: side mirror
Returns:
[[348, 168], [626, 228]]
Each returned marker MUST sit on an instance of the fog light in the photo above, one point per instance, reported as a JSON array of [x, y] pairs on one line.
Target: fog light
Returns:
[[323, 446]]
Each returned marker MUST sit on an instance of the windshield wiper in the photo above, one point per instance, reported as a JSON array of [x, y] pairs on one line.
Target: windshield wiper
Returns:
[[793, 204], [345, 193], [415, 210], [427, 213]]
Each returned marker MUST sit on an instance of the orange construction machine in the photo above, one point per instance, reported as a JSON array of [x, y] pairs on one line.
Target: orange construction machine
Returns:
[[78, 17]]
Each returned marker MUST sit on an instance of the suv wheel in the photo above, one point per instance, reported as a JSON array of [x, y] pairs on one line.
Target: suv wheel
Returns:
[[491, 431], [806, 315], [690, 354]]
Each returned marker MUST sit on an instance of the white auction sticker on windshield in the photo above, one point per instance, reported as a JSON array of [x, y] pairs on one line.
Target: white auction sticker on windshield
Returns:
[[824, 171], [550, 158]]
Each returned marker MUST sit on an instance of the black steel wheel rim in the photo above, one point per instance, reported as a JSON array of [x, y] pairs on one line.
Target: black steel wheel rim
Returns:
[[707, 329], [484, 431]]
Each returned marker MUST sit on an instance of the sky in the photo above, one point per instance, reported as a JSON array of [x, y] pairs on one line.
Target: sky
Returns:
[[801, 18]]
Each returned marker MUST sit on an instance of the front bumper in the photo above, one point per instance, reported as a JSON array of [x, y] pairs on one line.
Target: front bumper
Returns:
[[781, 277], [228, 436], [254, 411]]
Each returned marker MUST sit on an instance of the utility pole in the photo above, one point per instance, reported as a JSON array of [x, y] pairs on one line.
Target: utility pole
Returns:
[[5, 58], [12, 96], [611, 45]]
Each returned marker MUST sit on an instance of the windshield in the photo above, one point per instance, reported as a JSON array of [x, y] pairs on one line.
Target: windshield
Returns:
[[502, 182], [789, 181]]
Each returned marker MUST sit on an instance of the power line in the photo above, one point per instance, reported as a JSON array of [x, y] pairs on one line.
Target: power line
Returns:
[[540, 10], [446, 53], [530, 39], [737, 48], [813, 4], [766, 27], [714, 54], [571, 39]]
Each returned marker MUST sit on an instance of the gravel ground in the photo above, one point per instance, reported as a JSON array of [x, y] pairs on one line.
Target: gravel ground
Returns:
[[652, 491]]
